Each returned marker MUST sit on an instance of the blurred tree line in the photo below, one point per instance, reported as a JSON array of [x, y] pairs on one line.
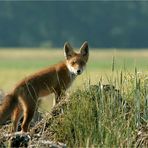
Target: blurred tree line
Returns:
[[115, 24]]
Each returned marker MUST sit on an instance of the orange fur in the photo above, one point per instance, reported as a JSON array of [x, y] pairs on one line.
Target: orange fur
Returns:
[[55, 79]]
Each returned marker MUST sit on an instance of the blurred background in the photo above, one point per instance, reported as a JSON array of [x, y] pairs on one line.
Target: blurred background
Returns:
[[105, 24], [33, 33]]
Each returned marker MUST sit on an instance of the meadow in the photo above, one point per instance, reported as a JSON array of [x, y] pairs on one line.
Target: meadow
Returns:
[[92, 118], [16, 64]]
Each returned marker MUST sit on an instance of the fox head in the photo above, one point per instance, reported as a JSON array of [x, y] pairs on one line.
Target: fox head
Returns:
[[76, 62]]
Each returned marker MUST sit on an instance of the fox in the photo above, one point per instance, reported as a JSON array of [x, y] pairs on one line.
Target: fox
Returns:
[[23, 99]]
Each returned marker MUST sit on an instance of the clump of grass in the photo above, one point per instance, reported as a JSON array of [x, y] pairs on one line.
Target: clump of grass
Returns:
[[101, 117]]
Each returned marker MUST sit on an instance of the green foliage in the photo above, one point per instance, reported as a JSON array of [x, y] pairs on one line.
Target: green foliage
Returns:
[[51, 23], [104, 116]]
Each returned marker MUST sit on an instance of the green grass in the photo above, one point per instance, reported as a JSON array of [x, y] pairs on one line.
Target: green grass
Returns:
[[92, 118], [16, 64], [96, 118], [100, 60]]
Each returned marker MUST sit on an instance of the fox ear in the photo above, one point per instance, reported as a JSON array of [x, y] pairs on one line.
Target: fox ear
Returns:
[[68, 50], [84, 50]]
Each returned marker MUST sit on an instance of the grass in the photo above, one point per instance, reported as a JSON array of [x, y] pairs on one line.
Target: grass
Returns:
[[16, 64], [93, 118], [96, 118]]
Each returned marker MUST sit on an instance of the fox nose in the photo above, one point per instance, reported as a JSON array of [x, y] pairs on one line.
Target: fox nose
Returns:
[[78, 71]]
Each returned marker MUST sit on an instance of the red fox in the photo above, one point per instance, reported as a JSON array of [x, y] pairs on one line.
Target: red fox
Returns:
[[55, 79]]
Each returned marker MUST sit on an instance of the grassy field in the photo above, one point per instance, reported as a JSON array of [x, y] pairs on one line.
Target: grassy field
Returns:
[[94, 117], [16, 64]]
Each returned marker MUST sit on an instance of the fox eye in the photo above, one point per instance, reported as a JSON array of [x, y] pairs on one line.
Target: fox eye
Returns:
[[73, 62]]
